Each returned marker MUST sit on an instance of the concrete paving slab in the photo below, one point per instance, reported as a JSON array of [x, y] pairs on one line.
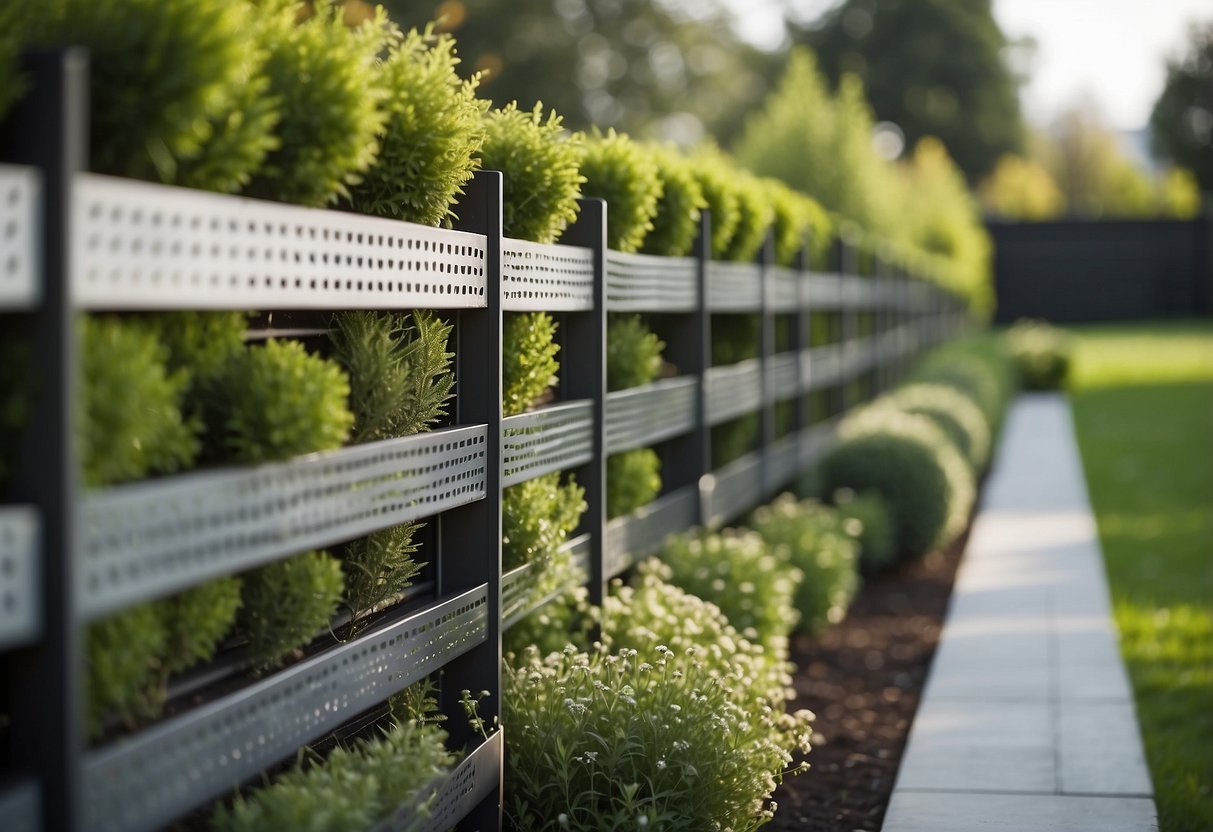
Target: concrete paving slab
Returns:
[[1101, 750], [968, 812]]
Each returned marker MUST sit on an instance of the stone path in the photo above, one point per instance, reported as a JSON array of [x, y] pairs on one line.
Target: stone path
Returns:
[[1027, 721]]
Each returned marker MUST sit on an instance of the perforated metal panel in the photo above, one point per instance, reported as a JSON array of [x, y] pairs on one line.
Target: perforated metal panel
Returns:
[[150, 539], [474, 779], [20, 594], [785, 369], [785, 295], [733, 390], [782, 464], [733, 489], [814, 441], [532, 585], [734, 287], [20, 224], [821, 367], [138, 245], [551, 439], [824, 292], [546, 278], [648, 414], [146, 780], [630, 538], [20, 809], [645, 283]]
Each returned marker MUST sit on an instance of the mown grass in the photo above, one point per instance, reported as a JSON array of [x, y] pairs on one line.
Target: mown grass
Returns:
[[1143, 410]]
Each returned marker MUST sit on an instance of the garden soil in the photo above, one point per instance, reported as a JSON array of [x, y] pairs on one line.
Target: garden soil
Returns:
[[863, 679]]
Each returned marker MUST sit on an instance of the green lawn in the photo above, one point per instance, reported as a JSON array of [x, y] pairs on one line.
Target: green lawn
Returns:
[[1143, 410]]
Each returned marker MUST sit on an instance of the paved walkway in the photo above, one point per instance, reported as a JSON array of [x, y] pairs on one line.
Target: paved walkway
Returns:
[[1027, 721]]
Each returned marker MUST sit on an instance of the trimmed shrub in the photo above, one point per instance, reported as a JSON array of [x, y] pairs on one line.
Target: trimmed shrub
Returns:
[[908, 461], [979, 370], [633, 353], [755, 215], [121, 666], [326, 76], [1041, 354], [715, 178], [685, 732], [676, 224], [399, 371], [167, 77], [956, 414], [633, 480], [195, 621], [130, 423], [279, 402], [355, 787], [624, 174], [867, 518], [288, 602], [537, 517], [540, 167], [815, 540], [529, 364], [737, 572], [433, 130], [789, 220]]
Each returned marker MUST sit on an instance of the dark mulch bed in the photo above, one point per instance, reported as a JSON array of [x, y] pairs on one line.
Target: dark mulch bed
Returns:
[[863, 679]]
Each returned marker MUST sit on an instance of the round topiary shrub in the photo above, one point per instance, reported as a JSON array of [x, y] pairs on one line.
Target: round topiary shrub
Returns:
[[867, 518], [624, 174], [956, 414], [434, 127], [908, 461], [1041, 353], [815, 540], [984, 377], [326, 75], [676, 224], [737, 572], [540, 167]]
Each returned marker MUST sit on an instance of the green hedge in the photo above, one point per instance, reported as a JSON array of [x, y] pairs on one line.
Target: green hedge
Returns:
[[1041, 354]]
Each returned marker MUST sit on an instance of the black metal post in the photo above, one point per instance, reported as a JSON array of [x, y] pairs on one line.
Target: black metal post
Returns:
[[49, 130]]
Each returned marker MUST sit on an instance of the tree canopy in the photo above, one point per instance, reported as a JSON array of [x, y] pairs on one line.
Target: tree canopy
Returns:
[[932, 67], [1182, 120]]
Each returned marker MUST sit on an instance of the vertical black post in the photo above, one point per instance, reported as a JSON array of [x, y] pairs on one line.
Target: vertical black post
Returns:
[[585, 378], [470, 536], [766, 354], [49, 130], [689, 347]]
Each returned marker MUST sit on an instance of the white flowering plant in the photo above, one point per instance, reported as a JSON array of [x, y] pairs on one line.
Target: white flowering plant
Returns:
[[691, 734]]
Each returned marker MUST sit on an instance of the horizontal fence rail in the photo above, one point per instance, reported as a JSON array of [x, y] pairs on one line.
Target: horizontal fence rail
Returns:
[[136, 246]]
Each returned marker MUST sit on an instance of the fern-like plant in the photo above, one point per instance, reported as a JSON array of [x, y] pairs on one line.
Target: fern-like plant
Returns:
[[624, 174], [432, 132], [676, 223], [529, 364], [399, 371], [327, 78], [379, 566], [540, 167]]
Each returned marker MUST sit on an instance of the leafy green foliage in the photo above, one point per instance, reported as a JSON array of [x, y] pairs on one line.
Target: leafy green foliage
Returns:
[[715, 178], [1182, 119], [676, 224], [957, 415], [195, 621], [908, 461], [121, 666], [356, 787], [978, 368], [540, 164], [633, 352], [676, 722], [734, 438], [755, 215], [1041, 353], [379, 566], [789, 220], [281, 402], [633, 480], [433, 130], [537, 517], [288, 602], [737, 572], [130, 422], [529, 364], [399, 370], [12, 85], [566, 619], [735, 338], [326, 75], [815, 540], [867, 517], [162, 74], [624, 174]]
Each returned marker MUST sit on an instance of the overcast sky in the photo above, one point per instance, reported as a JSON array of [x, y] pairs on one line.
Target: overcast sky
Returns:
[[1113, 50]]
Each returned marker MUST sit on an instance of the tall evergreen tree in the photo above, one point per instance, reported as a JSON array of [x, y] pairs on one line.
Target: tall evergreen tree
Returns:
[[1182, 120]]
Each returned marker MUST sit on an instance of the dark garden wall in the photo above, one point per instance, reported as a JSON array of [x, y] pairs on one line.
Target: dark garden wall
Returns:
[[1076, 271]]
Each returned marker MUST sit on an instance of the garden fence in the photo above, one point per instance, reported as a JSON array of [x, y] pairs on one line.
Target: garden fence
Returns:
[[74, 242]]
